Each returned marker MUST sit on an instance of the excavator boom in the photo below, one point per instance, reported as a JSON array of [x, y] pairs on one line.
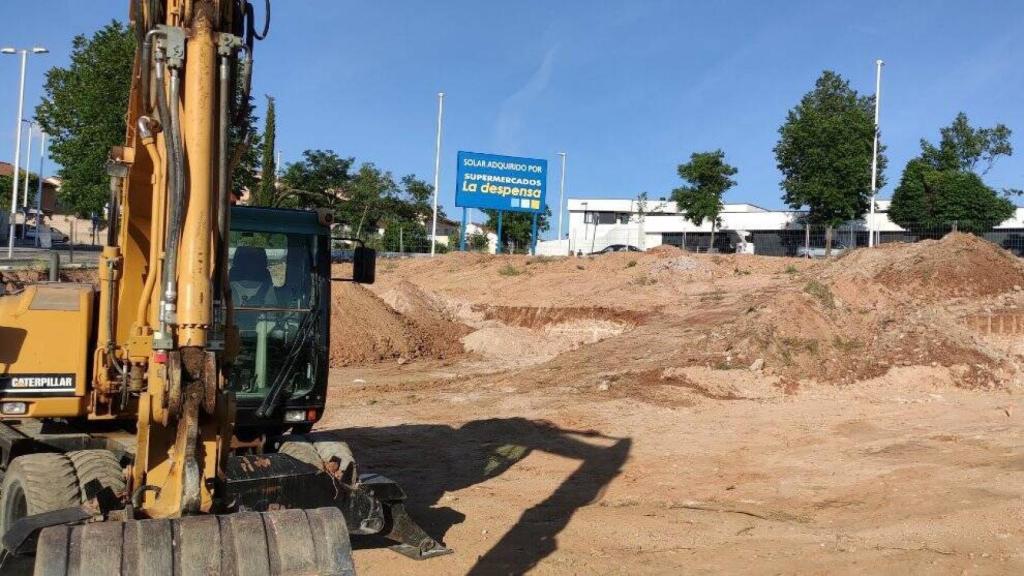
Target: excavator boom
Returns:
[[174, 453]]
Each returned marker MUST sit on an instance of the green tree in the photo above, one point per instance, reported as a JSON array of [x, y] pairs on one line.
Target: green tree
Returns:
[[707, 177], [319, 180], [405, 236], [246, 148], [962, 147], [941, 187], [824, 154], [475, 242], [363, 201], [517, 227], [372, 198], [6, 182], [420, 197], [83, 111], [268, 164]]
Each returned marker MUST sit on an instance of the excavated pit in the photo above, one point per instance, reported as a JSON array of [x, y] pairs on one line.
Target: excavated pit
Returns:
[[525, 335]]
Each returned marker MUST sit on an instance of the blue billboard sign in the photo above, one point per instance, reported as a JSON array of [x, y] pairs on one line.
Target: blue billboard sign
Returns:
[[508, 183]]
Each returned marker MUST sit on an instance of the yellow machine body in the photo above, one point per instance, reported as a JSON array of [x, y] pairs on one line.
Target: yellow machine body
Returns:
[[45, 343], [155, 346]]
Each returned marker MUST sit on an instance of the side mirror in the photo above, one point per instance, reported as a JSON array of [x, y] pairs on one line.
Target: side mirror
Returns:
[[364, 265]]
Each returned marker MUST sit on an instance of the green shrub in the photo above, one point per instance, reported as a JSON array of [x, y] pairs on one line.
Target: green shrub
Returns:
[[509, 270], [821, 292]]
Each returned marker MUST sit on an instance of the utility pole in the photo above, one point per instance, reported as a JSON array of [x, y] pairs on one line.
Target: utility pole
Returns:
[[874, 153], [17, 141], [437, 171], [561, 198], [17, 156], [39, 188], [28, 162], [28, 176]]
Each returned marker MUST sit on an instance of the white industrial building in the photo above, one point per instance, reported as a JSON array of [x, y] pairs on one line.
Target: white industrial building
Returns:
[[595, 223]]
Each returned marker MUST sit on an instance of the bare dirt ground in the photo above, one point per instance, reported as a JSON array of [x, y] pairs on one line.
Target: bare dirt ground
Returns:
[[665, 413]]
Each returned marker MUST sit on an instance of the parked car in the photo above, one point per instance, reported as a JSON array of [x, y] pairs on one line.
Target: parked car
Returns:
[[819, 251], [56, 236], [617, 248]]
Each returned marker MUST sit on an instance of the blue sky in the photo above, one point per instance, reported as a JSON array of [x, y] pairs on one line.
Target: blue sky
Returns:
[[628, 89]]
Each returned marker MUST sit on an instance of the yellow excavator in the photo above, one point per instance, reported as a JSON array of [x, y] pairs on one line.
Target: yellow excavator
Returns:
[[162, 421]]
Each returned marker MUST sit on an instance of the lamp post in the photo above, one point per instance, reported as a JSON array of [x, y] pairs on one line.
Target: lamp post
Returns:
[[28, 162], [39, 188], [17, 139], [561, 197], [874, 153], [28, 177], [437, 172]]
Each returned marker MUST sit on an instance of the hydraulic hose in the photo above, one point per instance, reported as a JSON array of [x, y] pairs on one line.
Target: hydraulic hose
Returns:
[[145, 125], [223, 177], [177, 165], [147, 54], [114, 212], [174, 178]]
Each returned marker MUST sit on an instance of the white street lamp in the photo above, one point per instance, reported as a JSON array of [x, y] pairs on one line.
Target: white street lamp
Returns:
[[28, 161], [17, 140], [39, 188], [437, 172], [874, 153]]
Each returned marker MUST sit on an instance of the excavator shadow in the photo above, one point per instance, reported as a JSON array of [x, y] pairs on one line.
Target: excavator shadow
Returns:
[[429, 461]]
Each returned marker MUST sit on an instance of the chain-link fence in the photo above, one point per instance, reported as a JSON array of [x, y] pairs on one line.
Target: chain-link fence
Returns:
[[808, 241], [616, 240]]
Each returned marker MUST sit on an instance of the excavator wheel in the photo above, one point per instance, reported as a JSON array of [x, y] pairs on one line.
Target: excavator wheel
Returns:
[[37, 483], [99, 465], [278, 543]]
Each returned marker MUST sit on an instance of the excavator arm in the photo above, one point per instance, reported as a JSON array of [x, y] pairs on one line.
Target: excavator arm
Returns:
[[195, 498]]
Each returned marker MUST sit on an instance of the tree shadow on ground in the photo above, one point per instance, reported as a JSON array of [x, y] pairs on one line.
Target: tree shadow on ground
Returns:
[[431, 460]]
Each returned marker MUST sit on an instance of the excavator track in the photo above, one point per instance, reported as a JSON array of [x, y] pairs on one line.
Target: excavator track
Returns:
[[281, 542]]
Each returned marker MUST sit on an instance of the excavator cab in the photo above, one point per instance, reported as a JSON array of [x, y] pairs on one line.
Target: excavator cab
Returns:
[[279, 275]]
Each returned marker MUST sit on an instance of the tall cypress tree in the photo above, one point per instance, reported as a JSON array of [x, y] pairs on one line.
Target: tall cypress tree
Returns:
[[268, 176], [82, 110]]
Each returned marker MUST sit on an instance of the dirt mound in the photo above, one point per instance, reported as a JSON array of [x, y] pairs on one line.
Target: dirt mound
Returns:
[[958, 265], [365, 329], [816, 334], [665, 250]]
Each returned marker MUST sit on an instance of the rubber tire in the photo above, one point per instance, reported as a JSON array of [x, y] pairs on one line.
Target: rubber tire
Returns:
[[99, 465], [282, 542], [43, 482], [330, 448]]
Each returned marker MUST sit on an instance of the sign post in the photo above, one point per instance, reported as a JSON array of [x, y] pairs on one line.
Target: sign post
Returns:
[[502, 183], [462, 232], [497, 247], [533, 235]]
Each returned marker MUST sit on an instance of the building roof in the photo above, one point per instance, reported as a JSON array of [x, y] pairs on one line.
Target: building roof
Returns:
[[7, 169], [653, 206]]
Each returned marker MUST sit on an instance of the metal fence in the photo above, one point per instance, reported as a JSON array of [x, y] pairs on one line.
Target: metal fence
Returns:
[[811, 241], [794, 242], [628, 239]]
